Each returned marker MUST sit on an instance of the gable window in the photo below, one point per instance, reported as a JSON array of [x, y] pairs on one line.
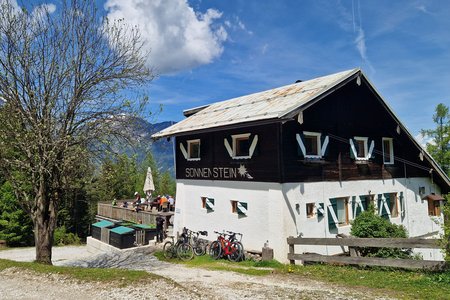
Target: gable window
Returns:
[[388, 151], [312, 144], [361, 148], [193, 149], [241, 146]]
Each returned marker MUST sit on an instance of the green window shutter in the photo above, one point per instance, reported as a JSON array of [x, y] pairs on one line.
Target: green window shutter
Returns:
[[209, 204], [242, 208], [321, 210], [301, 150], [382, 211], [364, 202], [359, 207], [332, 218]]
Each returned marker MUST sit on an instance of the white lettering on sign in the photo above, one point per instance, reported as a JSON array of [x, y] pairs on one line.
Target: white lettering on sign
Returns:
[[217, 172]]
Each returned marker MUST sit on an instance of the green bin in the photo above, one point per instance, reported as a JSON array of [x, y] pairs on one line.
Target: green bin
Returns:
[[96, 228], [122, 237]]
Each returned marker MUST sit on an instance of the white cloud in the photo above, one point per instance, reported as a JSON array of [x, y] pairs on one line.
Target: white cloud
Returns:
[[177, 37]]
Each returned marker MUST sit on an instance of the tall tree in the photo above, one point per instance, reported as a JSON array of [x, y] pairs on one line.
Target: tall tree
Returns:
[[66, 80], [439, 147]]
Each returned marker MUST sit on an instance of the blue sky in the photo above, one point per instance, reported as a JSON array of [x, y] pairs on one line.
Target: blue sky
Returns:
[[207, 51]]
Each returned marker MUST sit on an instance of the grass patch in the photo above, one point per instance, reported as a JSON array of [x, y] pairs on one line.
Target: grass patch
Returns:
[[397, 283], [402, 284], [124, 277]]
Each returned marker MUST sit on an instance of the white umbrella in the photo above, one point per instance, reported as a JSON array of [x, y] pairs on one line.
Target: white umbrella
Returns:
[[149, 186]]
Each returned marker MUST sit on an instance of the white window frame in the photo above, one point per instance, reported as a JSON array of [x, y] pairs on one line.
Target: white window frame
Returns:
[[189, 142], [235, 138], [391, 150], [366, 146], [317, 135]]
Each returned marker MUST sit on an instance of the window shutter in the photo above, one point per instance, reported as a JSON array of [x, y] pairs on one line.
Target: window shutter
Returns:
[[226, 142], [320, 209], [402, 205], [183, 151], [370, 153], [382, 210], [364, 203], [209, 203], [241, 208], [332, 218], [353, 149], [324, 145], [253, 145], [357, 206], [301, 144]]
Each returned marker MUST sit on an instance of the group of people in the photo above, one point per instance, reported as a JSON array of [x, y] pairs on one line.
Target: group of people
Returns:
[[162, 203]]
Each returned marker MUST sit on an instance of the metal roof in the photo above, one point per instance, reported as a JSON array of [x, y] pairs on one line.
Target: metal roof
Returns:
[[272, 104]]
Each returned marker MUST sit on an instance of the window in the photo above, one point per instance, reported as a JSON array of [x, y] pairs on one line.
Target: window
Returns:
[[434, 208], [239, 207], [392, 202], [361, 147], [241, 145], [338, 212], [310, 210], [312, 144], [388, 151], [342, 211], [233, 206], [208, 203], [193, 149]]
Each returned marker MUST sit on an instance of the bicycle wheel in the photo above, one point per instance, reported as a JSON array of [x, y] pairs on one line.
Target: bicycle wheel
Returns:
[[168, 250], [215, 250], [236, 251], [199, 248], [185, 252]]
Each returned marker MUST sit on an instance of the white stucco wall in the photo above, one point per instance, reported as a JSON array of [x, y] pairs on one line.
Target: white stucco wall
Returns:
[[276, 211]]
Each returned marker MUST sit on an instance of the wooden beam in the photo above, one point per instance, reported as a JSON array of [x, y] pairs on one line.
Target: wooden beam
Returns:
[[368, 242], [371, 261]]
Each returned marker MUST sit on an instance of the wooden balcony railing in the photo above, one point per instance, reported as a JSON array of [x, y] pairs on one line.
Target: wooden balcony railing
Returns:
[[127, 214]]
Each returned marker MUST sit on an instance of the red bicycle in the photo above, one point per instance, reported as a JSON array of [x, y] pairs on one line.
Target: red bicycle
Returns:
[[227, 245]]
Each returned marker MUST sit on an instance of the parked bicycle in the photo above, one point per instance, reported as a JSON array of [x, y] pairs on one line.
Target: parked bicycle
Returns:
[[181, 249], [227, 245], [198, 244]]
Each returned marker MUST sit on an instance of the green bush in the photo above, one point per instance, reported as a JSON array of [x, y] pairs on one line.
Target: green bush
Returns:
[[370, 225], [61, 237]]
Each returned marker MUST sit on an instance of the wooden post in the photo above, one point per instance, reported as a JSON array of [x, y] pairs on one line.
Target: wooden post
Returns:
[[291, 250]]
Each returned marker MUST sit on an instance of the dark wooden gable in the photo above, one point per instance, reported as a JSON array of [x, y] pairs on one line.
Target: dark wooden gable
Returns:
[[216, 164], [350, 111]]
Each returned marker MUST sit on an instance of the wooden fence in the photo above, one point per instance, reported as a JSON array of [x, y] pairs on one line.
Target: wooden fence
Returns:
[[402, 243]]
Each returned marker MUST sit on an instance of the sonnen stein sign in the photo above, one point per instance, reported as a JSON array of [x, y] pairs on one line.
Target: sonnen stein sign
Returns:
[[218, 173]]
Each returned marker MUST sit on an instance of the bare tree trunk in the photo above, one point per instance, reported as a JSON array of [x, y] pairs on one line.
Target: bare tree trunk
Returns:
[[44, 219], [43, 237]]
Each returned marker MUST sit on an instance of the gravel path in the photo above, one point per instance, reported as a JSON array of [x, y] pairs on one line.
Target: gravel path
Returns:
[[187, 283]]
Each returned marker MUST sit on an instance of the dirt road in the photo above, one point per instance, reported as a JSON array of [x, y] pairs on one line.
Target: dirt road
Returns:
[[188, 283]]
